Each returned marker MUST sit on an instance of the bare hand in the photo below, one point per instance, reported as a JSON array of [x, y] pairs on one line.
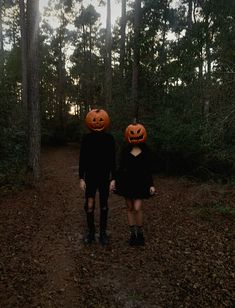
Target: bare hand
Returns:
[[152, 190], [112, 186], [82, 184]]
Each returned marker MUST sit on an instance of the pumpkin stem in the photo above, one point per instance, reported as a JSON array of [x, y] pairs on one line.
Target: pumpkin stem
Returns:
[[134, 121]]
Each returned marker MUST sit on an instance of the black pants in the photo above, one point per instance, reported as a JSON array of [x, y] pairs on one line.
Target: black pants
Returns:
[[94, 184], [98, 184]]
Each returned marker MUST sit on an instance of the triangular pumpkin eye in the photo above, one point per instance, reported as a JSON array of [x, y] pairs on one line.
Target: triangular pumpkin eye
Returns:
[[132, 132], [101, 119], [94, 119], [138, 131]]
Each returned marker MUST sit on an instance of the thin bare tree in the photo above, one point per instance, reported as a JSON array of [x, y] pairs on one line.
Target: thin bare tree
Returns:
[[136, 57], [1, 40], [123, 38], [33, 88], [23, 53], [108, 58]]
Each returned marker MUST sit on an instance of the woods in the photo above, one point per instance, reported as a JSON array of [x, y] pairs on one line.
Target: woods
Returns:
[[170, 64]]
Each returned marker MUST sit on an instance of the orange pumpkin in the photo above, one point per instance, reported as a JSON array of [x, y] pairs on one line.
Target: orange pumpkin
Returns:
[[135, 133], [97, 120]]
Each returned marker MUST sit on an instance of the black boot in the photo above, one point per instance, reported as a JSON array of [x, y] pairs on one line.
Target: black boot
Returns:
[[133, 238], [140, 240], [104, 240], [90, 236]]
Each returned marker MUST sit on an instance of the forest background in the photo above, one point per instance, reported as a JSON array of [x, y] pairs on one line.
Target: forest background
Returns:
[[170, 64]]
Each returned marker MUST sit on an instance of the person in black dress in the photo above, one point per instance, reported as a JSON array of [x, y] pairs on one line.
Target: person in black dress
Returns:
[[134, 181], [97, 171]]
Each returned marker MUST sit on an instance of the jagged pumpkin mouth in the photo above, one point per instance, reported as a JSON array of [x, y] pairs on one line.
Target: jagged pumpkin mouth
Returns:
[[137, 138]]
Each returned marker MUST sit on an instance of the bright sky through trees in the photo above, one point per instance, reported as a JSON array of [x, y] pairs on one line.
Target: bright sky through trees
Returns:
[[115, 9]]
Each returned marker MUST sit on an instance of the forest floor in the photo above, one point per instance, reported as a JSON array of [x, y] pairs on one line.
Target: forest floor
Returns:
[[188, 259]]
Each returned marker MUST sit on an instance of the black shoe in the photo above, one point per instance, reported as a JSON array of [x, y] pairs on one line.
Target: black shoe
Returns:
[[133, 239], [89, 238], [104, 240], [140, 240]]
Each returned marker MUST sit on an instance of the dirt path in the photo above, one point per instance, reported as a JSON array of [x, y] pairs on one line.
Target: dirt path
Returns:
[[188, 259]]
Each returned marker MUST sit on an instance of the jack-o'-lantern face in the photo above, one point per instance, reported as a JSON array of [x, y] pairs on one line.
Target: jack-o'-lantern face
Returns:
[[135, 133], [97, 120]]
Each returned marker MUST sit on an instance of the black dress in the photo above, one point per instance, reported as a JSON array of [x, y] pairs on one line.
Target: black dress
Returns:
[[134, 178]]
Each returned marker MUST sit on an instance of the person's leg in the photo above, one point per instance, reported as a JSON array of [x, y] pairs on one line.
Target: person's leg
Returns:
[[131, 221], [103, 196], [130, 212], [89, 209], [139, 221], [137, 204]]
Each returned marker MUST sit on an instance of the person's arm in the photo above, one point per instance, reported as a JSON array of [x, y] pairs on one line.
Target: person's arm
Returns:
[[123, 158], [113, 160], [82, 157], [152, 189], [112, 185], [149, 170]]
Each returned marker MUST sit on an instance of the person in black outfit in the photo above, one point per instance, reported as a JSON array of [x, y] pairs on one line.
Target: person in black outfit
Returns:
[[97, 172], [134, 182]]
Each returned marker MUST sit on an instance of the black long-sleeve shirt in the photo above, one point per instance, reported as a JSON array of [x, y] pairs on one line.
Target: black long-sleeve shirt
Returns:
[[97, 156]]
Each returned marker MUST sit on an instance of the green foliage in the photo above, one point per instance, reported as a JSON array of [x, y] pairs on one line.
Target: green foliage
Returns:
[[12, 135], [209, 211], [186, 86], [54, 134], [73, 129], [12, 156]]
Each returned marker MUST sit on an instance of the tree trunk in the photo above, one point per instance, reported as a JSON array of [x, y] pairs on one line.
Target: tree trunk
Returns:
[[1, 43], [208, 45], [208, 59], [108, 67], [90, 71], [1, 35], [123, 39], [33, 88], [162, 58], [61, 73], [83, 79], [23, 54], [136, 57], [189, 17], [60, 90]]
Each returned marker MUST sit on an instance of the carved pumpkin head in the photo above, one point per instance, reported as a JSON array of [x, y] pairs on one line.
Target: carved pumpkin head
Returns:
[[135, 133], [97, 120]]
